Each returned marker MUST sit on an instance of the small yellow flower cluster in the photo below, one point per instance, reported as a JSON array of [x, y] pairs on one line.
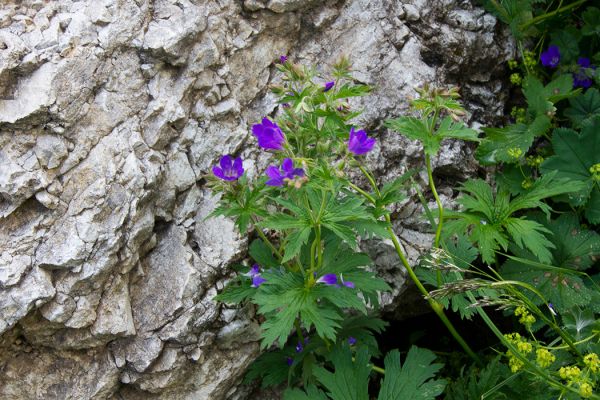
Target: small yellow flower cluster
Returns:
[[574, 376], [527, 184], [518, 113], [535, 161], [522, 345], [525, 316], [512, 64], [544, 358], [529, 59], [516, 79], [514, 152], [595, 171], [592, 361], [569, 373]]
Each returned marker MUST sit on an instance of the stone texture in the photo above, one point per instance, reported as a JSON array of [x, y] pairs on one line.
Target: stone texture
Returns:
[[111, 114]]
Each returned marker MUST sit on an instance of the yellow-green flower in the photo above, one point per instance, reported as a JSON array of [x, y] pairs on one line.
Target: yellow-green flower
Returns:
[[585, 390], [544, 358], [592, 361]]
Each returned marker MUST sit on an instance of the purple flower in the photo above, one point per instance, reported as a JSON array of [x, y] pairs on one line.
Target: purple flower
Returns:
[[331, 280], [254, 274], [286, 105], [299, 347], [255, 270], [278, 177], [328, 86], [359, 143], [283, 59], [257, 280], [289, 361], [583, 78], [351, 341], [269, 135], [229, 170], [328, 279], [551, 57]]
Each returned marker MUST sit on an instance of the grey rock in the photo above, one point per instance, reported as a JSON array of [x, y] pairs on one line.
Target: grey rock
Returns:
[[112, 113]]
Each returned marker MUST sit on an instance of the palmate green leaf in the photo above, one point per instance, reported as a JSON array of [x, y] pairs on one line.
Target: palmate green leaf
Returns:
[[283, 297], [489, 218], [284, 221], [480, 383], [416, 129], [261, 253], [351, 378], [584, 108], [270, 367], [413, 380], [574, 155], [530, 235], [498, 141], [294, 244], [456, 130], [514, 13], [591, 19], [568, 44], [362, 328], [541, 99], [312, 393], [560, 287]]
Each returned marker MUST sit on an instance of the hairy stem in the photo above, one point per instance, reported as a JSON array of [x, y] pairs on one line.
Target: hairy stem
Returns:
[[435, 306]]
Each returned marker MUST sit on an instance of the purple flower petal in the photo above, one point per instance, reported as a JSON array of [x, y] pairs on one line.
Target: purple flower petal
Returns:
[[289, 361], [257, 280], [584, 62], [328, 85], [299, 347], [283, 59], [328, 279], [550, 57], [269, 135], [228, 170], [349, 284], [359, 143], [255, 270], [351, 341], [287, 166], [276, 177]]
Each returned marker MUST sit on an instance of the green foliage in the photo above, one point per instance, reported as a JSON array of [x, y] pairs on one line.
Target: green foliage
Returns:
[[574, 249], [575, 154], [351, 377], [584, 108], [492, 222], [480, 383], [413, 380]]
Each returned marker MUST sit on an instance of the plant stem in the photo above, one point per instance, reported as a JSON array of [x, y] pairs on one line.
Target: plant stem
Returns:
[[438, 231], [266, 240], [551, 14], [436, 307]]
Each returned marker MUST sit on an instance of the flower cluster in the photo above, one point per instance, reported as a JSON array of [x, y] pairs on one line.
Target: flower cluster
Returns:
[[592, 361], [544, 358], [525, 316], [523, 347], [595, 171]]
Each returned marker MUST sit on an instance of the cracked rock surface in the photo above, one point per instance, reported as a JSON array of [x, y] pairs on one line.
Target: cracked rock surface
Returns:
[[111, 113]]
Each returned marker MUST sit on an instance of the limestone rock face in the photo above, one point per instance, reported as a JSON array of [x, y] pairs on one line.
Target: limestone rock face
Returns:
[[111, 113]]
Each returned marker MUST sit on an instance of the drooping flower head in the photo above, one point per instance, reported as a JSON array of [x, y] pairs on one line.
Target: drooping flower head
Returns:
[[551, 57], [229, 169], [584, 77], [278, 177], [359, 143], [328, 85], [269, 135]]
